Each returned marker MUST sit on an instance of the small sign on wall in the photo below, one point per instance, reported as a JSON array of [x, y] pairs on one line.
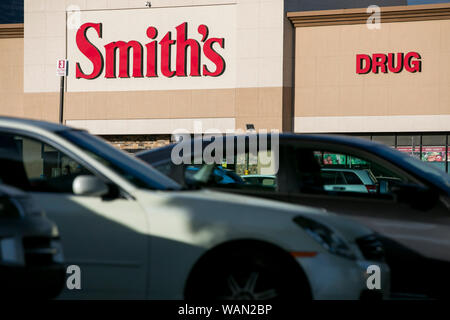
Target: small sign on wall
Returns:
[[62, 68]]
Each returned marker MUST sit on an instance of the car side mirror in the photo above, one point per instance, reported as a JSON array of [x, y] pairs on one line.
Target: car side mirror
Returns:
[[86, 185], [418, 197]]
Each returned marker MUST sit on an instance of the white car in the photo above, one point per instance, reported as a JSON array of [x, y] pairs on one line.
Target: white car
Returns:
[[135, 233]]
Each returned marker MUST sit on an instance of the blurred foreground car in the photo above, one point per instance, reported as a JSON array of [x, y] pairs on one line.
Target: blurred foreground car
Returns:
[[135, 233], [406, 201], [30, 251]]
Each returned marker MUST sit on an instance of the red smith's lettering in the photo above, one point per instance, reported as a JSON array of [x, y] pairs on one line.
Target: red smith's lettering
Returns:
[[183, 45], [391, 62]]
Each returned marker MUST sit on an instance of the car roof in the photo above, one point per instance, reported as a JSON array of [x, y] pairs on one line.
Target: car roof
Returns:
[[350, 141], [341, 139], [49, 126]]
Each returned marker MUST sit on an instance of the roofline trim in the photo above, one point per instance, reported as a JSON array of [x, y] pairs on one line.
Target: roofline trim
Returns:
[[425, 12], [11, 30]]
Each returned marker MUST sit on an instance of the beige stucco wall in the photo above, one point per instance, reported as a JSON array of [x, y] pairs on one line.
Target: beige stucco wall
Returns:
[[260, 106], [14, 102], [331, 97], [11, 76]]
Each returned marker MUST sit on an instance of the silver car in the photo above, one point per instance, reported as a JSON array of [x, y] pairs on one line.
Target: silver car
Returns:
[[349, 180]]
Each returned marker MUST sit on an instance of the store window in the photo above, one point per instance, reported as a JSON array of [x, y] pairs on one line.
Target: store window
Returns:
[[434, 150], [367, 137], [409, 144], [385, 139]]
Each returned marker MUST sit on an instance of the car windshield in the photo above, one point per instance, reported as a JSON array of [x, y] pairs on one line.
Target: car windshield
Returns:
[[134, 170], [429, 170], [425, 170]]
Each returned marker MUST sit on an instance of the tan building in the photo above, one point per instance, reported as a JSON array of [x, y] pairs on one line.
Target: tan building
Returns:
[[137, 73], [390, 84]]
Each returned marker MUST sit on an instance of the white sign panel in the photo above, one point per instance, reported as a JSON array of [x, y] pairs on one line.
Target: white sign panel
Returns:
[[62, 67], [153, 49]]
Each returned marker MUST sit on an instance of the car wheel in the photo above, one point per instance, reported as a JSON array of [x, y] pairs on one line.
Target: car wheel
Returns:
[[260, 275]]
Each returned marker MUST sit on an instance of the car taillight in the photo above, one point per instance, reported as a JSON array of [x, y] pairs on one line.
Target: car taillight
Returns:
[[371, 188]]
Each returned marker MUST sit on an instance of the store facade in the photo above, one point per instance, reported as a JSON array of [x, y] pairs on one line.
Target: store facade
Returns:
[[138, 72], [390, 84]]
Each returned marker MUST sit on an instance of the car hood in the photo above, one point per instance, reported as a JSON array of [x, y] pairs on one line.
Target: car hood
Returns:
[[251, 210]]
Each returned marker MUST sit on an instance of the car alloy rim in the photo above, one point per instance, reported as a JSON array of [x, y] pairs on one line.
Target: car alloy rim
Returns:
[[248, 292]]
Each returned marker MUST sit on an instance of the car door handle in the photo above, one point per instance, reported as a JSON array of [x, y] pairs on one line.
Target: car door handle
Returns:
[[339, 188]]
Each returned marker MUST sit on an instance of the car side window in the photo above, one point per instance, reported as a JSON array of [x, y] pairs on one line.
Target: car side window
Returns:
[[341, 172], [32, 165], [248, 171]]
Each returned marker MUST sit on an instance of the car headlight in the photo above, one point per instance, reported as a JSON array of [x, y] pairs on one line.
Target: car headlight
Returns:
[[326, 237], [10, 208]]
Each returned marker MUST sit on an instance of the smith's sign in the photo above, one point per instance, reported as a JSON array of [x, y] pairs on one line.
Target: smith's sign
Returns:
[[157, 54]]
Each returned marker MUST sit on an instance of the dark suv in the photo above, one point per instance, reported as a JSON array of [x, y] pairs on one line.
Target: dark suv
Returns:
[[31, 260]]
